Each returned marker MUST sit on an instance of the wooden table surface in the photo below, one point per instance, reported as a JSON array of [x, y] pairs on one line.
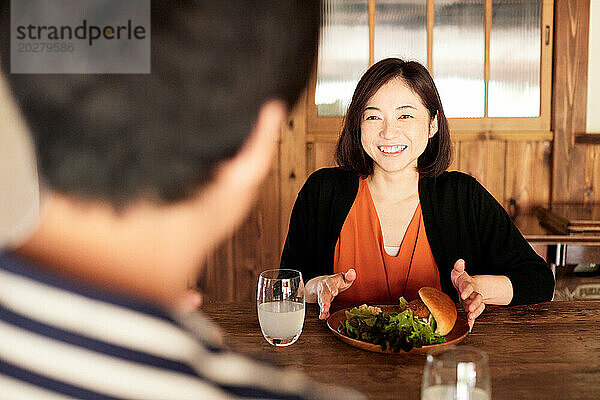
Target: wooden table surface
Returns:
[[544, 351], [578, 214], [535, 233], [570, 219]]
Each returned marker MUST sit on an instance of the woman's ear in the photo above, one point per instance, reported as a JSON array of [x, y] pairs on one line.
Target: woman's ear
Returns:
[[433, 126]]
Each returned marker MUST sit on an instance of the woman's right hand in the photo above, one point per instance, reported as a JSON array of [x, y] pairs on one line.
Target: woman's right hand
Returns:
[[323, 289]]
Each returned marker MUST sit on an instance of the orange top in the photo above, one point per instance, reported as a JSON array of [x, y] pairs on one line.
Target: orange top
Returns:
[[381, 278]]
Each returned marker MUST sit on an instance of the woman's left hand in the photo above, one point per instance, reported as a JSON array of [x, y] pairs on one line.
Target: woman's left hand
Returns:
[[468, 292]]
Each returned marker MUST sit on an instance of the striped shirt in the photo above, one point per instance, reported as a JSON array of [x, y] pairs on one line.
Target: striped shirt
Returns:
[[61, 339]]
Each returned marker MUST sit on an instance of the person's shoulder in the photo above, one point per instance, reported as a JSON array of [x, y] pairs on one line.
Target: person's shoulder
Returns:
[[331, 183], [451, 180], [331, 176], [462, 187]]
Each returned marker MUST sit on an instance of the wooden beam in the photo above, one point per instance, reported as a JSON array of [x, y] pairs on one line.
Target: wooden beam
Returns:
[[371, 32], [458, 136], [546, 63], [430, 22], [486, 70], [515, 135], [587, 138], [571, 36]]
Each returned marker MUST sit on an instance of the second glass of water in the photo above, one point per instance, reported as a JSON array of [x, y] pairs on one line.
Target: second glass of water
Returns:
[[280, 304], [461, 373]]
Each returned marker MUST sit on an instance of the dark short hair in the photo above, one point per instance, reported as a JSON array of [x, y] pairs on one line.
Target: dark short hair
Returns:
[[120, 137], [350, 154]]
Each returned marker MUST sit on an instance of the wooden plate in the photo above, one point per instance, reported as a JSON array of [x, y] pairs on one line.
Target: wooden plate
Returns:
[[458, 333]]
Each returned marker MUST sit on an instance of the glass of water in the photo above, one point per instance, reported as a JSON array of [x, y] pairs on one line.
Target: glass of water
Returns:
[[280, 304], [460, 373]]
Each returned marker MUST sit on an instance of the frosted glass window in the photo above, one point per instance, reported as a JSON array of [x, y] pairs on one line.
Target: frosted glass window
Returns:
[[343, 54], [515, 53], [401, 30], [459, 56]]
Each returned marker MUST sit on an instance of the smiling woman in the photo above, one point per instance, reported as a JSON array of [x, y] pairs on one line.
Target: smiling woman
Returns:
[[389, 220]]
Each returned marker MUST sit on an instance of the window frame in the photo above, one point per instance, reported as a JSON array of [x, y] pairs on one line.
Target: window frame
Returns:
[[508, 128]]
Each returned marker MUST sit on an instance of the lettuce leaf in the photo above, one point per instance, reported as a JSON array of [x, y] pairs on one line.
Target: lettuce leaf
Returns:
[[395, 331], [403, 302]]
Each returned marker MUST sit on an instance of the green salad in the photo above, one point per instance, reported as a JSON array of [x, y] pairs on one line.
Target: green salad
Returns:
[[394, 331]]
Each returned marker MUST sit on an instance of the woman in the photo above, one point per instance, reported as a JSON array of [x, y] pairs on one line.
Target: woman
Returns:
[[390, 220]]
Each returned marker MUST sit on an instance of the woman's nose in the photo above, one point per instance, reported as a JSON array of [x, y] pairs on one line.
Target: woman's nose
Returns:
[[389, 130]]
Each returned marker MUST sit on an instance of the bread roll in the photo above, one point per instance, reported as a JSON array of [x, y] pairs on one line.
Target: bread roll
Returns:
[[441, 307]]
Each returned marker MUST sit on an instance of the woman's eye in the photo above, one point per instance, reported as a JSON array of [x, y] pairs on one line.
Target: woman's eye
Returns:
[[371, 117], [405, 116]]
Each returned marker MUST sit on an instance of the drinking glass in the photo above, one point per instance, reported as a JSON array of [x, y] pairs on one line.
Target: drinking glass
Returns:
[[280, 305], [460, 373]]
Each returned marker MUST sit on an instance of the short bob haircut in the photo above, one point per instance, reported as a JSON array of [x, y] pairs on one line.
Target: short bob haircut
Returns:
[[350, 154]]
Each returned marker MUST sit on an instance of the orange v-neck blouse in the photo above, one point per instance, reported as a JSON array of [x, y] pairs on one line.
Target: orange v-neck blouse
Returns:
[[381, 278]]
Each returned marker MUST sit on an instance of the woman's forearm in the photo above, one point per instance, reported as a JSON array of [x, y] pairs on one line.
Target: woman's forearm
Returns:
[[495, 289]]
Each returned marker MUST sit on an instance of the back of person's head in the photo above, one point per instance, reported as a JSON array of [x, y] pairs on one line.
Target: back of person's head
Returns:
[[117, 138], [350, 153]]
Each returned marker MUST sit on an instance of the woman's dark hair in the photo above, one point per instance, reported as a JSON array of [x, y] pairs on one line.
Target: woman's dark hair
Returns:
[[350, 154]]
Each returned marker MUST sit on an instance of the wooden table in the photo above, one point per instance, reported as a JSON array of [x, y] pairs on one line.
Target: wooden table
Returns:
[[545, 351], [571, 219], [536, 233], [564, 225]]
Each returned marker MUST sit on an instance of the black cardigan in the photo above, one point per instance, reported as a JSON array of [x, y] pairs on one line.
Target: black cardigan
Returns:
[[461, 218]]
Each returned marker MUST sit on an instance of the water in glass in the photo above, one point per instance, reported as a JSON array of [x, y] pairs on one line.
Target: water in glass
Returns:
[[280, 305], [460, 373]]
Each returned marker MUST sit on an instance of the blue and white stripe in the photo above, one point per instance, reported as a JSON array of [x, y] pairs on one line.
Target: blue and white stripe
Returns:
[[62, 340]]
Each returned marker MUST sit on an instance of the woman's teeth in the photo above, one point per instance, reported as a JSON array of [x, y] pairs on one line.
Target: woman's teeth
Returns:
[[392, 149]]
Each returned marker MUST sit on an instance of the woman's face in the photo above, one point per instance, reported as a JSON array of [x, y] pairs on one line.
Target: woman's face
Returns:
[[395, 127]]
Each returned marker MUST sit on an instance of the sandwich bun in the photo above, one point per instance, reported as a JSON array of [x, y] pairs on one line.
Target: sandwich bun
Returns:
[[442, 308]]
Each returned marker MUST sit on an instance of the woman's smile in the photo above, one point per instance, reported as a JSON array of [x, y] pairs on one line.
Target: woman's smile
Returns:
[[392, 151]]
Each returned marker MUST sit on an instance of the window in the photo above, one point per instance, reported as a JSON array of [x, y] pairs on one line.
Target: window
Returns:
[[491, 59]]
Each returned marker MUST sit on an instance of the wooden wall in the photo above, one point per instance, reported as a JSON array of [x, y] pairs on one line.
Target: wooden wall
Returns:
[[519, 173], [576, 166]]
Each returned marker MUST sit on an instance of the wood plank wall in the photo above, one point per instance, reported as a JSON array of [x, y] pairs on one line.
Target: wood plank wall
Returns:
[[518, 173], [576, 167]]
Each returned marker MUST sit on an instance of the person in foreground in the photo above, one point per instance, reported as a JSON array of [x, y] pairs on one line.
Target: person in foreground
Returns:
[[144, 174], [390, 219]]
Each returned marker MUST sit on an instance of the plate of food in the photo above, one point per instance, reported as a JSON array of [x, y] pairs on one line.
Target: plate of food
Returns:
[[427, 323]]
